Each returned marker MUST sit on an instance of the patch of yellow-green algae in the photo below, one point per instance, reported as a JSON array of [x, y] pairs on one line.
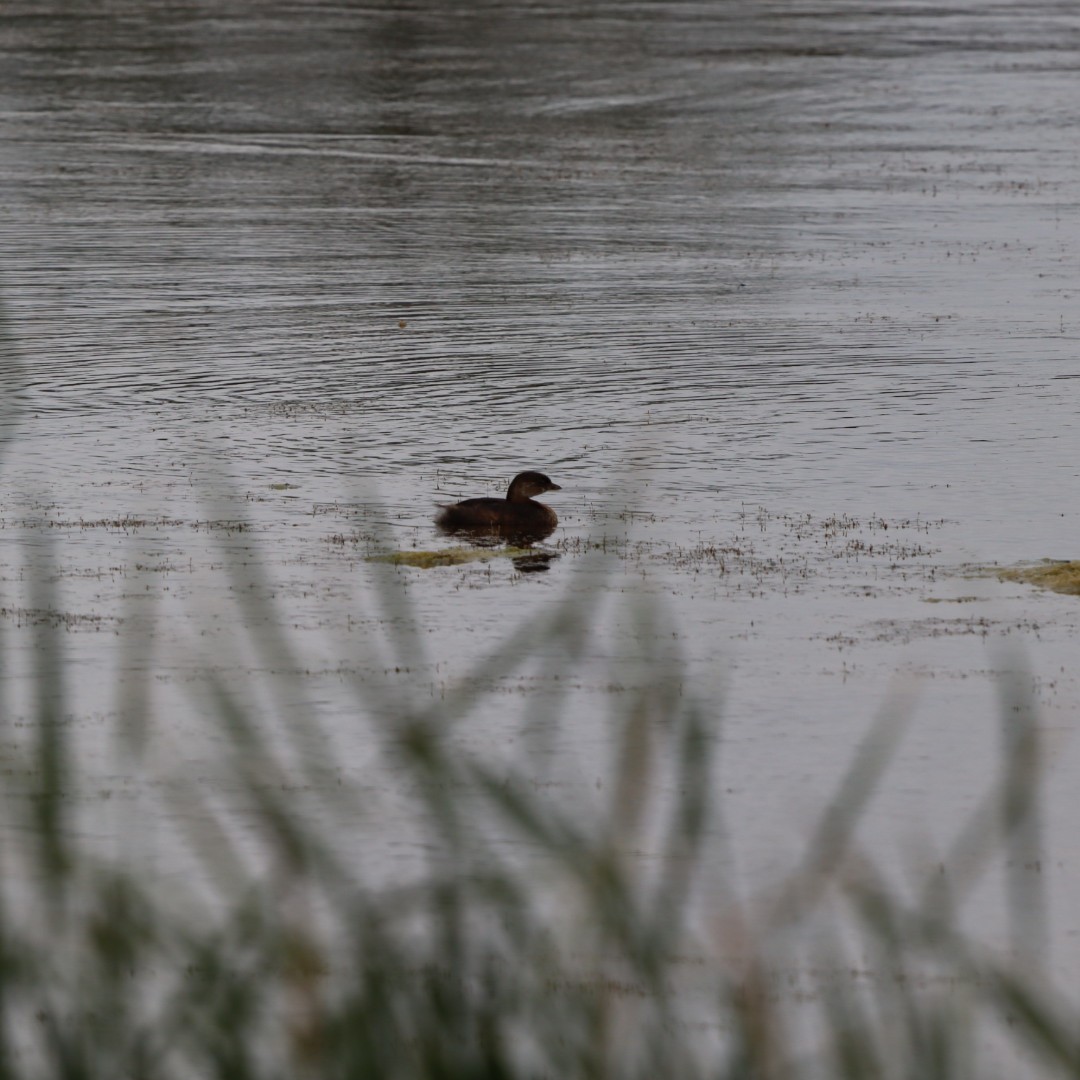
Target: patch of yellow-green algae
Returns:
[[1060, 575], [448, 556]]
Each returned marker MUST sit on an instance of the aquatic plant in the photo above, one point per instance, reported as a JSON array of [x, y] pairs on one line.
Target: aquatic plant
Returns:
[[1059, 575]]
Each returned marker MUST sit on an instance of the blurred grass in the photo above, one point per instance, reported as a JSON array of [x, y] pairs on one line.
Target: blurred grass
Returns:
[[603, 965]]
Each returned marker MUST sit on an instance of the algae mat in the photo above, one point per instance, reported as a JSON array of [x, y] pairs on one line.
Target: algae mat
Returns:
[[1062, 576]]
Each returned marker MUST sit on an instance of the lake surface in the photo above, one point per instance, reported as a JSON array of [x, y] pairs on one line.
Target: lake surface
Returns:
[[783, 295]]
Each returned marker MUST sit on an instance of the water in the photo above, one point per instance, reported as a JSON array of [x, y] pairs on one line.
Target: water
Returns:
[[782, 296]]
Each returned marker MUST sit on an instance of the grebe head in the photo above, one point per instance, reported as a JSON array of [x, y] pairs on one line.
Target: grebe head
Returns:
[[527, 484]]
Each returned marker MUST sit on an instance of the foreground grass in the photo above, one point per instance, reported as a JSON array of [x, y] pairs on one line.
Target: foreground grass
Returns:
[[603, 964]]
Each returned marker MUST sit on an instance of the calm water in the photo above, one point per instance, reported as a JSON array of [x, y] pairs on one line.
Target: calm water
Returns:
[[783, 295]]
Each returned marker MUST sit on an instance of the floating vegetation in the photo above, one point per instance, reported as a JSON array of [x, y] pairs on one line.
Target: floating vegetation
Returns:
[[129, 523], [1061, 575], [126, 523], [786, 549], [66, 620], [226, 526], [455, 556]]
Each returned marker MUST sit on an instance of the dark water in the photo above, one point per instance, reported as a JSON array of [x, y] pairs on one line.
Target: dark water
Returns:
[[765, 251], [793, 281]]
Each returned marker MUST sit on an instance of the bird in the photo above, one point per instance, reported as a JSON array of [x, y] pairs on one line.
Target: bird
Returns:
[[516, 516]]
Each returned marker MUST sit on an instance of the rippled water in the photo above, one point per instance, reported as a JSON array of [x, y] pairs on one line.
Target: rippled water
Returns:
[[792, 283]]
